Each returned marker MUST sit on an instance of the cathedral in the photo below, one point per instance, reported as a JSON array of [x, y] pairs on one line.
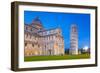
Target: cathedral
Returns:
[[39, 41]]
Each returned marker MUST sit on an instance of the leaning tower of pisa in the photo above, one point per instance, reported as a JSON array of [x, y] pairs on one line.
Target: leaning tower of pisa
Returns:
[[73, 40]]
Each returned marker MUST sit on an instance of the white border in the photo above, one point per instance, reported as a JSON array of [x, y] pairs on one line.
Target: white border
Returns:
[[23, 64]]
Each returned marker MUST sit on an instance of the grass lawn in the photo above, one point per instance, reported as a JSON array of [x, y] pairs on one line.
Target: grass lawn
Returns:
[[64, 57]]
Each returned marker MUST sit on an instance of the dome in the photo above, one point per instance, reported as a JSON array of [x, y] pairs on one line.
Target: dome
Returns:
[[36, 21]]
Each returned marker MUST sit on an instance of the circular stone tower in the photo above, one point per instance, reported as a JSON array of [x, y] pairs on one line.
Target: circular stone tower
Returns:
[[73, 40]]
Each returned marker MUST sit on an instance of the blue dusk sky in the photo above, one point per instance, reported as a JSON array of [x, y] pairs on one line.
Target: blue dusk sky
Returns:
[[64, 21]]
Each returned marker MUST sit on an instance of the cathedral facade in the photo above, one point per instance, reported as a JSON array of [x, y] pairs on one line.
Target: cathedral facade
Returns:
[[39, 41]]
